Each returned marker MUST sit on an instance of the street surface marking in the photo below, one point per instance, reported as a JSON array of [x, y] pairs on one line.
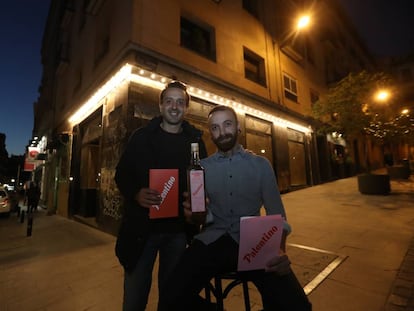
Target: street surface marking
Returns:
[[308, 288]]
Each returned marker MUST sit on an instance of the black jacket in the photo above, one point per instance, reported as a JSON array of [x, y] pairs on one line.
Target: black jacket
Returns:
[[132, 174]]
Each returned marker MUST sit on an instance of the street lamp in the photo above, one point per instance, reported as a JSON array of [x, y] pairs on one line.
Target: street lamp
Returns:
[[303, 22], [382, 95]]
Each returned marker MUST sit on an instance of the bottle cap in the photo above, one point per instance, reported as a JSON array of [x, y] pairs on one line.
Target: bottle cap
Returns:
[[194, 147]]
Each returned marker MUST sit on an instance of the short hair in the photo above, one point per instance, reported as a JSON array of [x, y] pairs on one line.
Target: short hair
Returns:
[[178, 85], [223, 108]]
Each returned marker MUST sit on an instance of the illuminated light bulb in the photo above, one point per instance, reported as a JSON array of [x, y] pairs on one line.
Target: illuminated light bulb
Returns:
[[303, 22], [125, 75], [382, 95]]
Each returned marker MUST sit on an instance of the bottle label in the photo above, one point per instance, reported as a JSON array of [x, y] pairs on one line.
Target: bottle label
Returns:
[[198, 203]]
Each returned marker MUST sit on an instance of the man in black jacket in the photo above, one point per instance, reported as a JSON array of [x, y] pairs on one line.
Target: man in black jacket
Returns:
[[163, 143]]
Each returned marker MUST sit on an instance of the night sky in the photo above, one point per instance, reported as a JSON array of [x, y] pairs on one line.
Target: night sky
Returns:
[[21, 30], [386, 26]]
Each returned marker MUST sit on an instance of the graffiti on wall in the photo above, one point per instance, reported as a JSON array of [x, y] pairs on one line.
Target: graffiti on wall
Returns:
[[111, 197]]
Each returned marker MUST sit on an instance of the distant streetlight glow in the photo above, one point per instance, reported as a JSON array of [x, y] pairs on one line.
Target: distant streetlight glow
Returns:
[[405, 111], [382, 95], [303, 22]]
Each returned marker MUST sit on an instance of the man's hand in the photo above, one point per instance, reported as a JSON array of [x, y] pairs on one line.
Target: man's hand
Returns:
[[280, 264], [147, 197]]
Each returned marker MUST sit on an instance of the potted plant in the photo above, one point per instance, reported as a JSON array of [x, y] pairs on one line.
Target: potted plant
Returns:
[[351, 109]]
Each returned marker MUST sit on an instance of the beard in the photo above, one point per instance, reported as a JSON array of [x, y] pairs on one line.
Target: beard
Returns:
[[225, 142]]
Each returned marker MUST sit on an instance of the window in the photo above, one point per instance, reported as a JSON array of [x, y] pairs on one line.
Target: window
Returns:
[[254, 68], [290, 87], [102, 41], [259, 137], [297, 156], [314, 97], [251, 6], [198, 38]]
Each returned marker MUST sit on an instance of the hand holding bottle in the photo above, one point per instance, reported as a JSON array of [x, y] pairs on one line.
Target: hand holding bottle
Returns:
[[198, 218]]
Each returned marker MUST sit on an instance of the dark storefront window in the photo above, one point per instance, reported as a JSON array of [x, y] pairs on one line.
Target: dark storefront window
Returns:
[[259, 137], [90, 165], [297, 163]]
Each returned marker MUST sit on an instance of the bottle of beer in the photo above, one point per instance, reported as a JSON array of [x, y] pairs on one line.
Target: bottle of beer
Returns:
[[195, 181]]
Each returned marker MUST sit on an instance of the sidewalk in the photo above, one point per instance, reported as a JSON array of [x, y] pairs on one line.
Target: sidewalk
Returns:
[[402, 292], [351, 252]]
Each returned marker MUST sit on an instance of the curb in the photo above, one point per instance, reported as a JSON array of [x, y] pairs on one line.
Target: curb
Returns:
[[401, 297]]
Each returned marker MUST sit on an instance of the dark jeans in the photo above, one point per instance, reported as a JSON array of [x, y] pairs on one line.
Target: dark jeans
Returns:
[[202, 262], [137, 284]]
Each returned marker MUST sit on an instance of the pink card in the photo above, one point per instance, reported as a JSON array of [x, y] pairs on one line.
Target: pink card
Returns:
[[166, 182], [260, 238]]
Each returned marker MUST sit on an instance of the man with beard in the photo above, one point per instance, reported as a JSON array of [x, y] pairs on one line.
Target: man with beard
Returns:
[[238, 183], [164, 143]]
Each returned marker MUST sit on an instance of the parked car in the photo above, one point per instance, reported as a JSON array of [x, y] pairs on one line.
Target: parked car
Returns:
[[4, 203]]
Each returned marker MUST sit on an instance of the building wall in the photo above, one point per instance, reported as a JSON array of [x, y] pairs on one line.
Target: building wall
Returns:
[[230, 35], [99, 40]]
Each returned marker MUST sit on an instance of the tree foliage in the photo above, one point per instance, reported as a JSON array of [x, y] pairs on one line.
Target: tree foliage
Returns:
[[349, 107]]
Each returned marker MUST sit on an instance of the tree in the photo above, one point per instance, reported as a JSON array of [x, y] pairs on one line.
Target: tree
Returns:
[[350, 108]]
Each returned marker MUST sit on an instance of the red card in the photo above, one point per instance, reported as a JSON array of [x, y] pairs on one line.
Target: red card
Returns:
[[260, 238], [166, 182]]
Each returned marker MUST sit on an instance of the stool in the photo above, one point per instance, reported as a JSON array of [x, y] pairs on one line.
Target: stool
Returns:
[[220, 294]]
